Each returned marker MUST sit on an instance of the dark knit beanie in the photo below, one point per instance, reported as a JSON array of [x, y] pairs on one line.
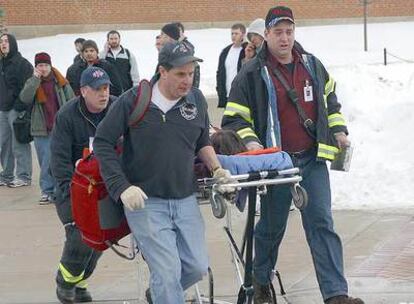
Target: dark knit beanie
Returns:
[[89, 44], [171, 30], [42, 58]]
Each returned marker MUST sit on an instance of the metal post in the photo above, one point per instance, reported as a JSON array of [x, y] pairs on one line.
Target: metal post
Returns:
[[385, 56], [365, 25]]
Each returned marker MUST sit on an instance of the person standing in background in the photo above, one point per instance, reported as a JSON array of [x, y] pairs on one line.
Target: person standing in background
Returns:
[[78, 46], [14, 71], [90, 58], [230, 62], [123, 60], [46, 91]]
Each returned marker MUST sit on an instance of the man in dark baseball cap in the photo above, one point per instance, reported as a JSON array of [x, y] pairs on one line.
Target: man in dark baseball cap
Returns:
[[94, 87], [94, 77], [176, 54], [156, 173], [73, 133], [288, 79]]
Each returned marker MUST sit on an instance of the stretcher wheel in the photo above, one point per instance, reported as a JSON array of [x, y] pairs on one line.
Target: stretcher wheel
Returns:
[[218, 205], [299, 196]]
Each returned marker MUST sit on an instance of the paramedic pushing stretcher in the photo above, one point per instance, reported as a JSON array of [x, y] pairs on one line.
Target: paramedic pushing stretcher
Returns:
[[261, 112], [155, 177], [75, 127]]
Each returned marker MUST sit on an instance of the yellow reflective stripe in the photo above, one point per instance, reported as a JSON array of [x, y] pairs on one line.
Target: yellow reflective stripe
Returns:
[[238, 107], [233, 108], [329, 86], [326, 151], [246, 132], [68, 277], [336, 120], [82, 284], [229, 113]]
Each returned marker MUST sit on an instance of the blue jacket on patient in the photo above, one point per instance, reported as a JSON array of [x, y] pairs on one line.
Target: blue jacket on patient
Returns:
[[242, 164]]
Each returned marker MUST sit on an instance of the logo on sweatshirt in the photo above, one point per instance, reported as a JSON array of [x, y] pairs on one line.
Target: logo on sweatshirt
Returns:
[[188, 111]]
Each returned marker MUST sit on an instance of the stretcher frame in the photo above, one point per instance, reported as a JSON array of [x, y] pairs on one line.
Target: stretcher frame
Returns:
[[255, 183]]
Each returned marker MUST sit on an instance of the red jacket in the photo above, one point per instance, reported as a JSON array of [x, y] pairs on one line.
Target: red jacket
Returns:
[[293, 133]]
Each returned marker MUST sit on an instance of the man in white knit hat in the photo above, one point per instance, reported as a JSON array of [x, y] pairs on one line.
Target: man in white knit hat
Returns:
[[255, 32]]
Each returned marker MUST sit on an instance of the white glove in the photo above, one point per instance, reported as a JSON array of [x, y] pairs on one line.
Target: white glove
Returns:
[[223, 176], [133, 198]]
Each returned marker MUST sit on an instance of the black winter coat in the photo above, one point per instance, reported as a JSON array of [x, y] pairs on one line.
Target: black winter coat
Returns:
[[14, 71], [221, 74], [70, 135], [74, 72]]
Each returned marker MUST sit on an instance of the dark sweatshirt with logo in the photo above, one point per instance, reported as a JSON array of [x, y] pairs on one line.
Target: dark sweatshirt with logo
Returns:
[[158, 153]]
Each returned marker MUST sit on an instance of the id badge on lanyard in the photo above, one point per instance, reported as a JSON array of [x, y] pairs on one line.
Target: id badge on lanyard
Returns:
[[308, 92]]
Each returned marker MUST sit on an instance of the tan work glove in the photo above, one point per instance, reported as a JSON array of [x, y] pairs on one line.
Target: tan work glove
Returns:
[[223, 176], [133, 198]]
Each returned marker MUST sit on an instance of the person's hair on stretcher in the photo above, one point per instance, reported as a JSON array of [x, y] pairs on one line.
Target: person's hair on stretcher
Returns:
[[234, 156], [227, 142], [224, 142]]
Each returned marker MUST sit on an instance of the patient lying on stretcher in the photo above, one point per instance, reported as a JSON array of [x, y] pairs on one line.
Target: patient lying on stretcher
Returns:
[[233, 156]]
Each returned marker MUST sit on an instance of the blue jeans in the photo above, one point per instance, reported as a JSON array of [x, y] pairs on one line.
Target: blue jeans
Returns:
[[12, 150], [6, 153], [46, 181], [170, 235], [324, 243]]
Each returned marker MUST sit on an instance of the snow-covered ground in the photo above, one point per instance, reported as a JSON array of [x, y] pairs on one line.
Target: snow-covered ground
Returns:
[[378, 100]]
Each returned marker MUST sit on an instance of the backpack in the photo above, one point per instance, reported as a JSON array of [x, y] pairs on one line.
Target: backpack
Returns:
[[101, 220]]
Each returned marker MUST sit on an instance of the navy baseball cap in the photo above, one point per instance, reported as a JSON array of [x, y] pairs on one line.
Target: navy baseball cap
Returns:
[[94, 77], [176, 54], [277, 14]]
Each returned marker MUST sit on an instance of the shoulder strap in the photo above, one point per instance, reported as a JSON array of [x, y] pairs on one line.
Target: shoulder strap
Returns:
[[128, 54], [141, 103], [293, 96], [310, 65]]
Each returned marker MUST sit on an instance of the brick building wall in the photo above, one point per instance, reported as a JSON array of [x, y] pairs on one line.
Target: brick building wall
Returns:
[[75, 12]]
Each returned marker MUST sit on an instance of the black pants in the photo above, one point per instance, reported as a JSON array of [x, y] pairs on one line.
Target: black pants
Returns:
[[78, 260]]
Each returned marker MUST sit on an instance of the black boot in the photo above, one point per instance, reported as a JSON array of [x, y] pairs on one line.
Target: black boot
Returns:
[[148, 296], [344, 300], [82, 295], [65, 295], [262, 293]]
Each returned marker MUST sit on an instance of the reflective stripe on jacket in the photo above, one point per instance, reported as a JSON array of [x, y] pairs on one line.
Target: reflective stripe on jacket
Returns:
[[247, 108]]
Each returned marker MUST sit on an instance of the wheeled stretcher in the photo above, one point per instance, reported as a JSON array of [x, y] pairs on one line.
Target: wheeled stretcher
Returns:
[[247, 185], [255, 183]]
